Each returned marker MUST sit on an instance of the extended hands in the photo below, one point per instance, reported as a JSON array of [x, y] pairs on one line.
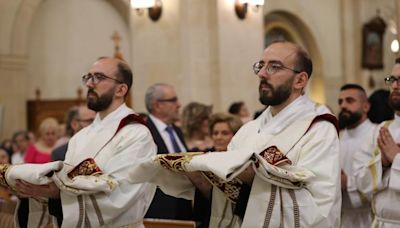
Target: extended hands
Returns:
[[200, 182], [388, 146], [26, 190], [247, 175]]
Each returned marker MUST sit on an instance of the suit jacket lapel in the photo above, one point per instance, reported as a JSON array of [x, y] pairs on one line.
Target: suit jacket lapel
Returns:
[[161, 147]]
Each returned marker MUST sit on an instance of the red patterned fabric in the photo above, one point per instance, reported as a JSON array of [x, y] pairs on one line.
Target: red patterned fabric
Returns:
[[326, 117], [87, 167], [131, 118], [274, 156]]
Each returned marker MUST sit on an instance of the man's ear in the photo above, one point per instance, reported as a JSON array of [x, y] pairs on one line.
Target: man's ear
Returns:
[[366, 106], [121, 90], [301, 80], [75, 125]]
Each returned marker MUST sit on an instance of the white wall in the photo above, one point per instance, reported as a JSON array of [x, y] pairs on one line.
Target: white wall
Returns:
[[201, 48], [66, 37]]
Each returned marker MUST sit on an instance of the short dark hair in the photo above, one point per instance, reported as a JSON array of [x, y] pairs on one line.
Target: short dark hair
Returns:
[[235, 107], [73, 113], [304, 62], [124, 74], [18, 133], [397, 61], [352, 86]]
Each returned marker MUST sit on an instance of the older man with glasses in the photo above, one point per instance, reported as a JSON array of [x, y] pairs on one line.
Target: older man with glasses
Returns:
[[378, 170], [163, 106]]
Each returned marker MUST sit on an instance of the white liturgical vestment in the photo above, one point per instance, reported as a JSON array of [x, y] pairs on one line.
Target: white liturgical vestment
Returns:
[[356, 207], [296, 161], [127, 203], [94, 182], [383, 183]]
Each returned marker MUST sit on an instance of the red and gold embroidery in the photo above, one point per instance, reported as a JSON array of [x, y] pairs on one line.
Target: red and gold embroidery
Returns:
[[3, 169], [274, 156], [176, 161], [231, 188], [87, 167]]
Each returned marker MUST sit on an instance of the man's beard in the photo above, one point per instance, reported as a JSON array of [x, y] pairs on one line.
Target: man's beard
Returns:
[[394, 102], [277, 95], [348, 119], [100, 103]]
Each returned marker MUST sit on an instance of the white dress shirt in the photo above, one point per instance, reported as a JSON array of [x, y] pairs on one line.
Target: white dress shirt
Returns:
[[161, 128]]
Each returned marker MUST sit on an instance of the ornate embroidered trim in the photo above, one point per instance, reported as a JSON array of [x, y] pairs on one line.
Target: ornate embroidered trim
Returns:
[[3, 170], [97, 210], [81, 211], [270, 208], [87, 167], [223, 213], [274, 156], [176, 161], [87, 222], [296, 210], [231, 189], [41, 220], [282, 211]]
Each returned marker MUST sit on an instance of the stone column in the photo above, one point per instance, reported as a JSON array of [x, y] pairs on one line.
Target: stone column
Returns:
[[12, 94]]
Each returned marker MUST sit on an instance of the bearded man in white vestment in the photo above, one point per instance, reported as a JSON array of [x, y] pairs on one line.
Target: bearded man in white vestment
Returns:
[[280, 170], [356, 130], [378, 169], [114, 142]]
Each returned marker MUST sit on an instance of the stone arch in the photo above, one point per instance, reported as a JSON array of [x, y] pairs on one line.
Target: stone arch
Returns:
[[300, 34], [26, 12]]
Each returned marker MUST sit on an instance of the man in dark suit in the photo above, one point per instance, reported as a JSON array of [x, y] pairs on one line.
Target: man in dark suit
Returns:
[[163, 106]]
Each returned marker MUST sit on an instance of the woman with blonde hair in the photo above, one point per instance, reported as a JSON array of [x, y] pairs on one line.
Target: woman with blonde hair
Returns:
[[195, 118], [40, 151], [223, 126]]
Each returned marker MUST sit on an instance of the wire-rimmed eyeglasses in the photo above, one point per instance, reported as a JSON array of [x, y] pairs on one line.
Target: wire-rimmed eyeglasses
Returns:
[[271, 67], [97, 77], [389, 80]]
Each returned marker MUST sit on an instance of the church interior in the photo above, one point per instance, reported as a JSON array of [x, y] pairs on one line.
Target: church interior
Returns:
[[204, 48]]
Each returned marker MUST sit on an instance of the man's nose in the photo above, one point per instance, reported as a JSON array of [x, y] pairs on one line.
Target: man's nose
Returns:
[[89, 83], [395, 85], [262, 73]]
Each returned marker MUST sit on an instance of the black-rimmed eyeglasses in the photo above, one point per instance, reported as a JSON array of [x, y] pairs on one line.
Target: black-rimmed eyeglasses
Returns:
[[271, 67], [89, 120], [389, 80], [172, 100], [97, 77]]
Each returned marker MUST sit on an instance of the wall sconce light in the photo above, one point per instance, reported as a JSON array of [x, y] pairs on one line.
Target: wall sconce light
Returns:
[[242, 5], [394, 46], [154, 7]]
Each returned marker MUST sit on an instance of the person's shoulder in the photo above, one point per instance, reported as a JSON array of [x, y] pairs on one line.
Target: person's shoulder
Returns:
[[323, 126], [61, 148], [135, 129]]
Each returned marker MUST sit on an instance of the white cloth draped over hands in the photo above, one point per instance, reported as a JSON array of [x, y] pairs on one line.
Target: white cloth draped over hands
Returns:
[[108, 198], [314, 172]]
